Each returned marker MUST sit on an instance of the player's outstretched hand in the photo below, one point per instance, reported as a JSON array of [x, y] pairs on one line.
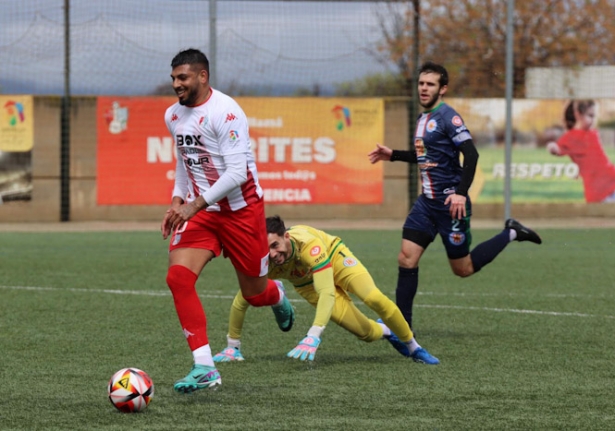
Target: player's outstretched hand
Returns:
[[306, 349], [381, 152]]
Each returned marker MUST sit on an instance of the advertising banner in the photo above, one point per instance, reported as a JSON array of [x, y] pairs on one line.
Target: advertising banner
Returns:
[[16, 141], [307, 150], [552, 161]]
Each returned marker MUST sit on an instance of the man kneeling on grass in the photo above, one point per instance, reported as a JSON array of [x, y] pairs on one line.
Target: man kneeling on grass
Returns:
[[324, 271]]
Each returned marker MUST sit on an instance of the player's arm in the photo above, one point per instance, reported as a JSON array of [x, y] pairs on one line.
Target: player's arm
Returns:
[[180, 190], [237, 316], [324, 285], [234, 148], [554, 149], [470, 161], [457, 201], [235, 175], [382, 152]]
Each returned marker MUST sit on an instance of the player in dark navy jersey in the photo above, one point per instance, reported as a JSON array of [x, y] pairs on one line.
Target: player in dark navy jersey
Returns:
[[444, 206]]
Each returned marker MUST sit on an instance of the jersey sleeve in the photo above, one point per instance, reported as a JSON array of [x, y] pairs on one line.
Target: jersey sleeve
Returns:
[[564, 143], [180, 188], [324, 286], [456, 128], [315, 254], [232, 129]]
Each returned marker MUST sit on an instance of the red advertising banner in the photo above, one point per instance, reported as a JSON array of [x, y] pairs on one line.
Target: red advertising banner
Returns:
[[308, 150], [135, 154]]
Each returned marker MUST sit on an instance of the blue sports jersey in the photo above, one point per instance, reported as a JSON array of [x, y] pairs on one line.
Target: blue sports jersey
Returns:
[[439, 133]]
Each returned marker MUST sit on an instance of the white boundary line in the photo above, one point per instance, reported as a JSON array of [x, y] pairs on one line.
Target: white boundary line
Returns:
[[452, 307]]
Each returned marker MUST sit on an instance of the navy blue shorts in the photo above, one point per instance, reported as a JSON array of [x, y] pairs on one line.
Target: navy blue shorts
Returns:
[[432, 217]]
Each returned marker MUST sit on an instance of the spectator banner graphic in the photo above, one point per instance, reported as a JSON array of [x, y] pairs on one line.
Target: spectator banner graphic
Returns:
[[16, 141], [307, 150], [314, 150], [538, 175]]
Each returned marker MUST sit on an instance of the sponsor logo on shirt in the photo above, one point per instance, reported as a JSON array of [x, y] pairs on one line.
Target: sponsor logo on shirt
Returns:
[[233, 135], [230, 117], [203, 121], [315, 251], [188, 140], [431, 125], [457, 121], [174, 117], [419, 146], [350, 261]]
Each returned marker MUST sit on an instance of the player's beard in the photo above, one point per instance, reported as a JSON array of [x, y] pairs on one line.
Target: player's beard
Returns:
[[431, 102], [190, 96]]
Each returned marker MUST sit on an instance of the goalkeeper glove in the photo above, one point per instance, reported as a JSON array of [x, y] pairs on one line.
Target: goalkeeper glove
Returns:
[[306, 349]]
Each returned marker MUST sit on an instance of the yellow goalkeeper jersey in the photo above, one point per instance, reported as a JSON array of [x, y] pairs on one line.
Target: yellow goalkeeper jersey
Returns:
[[312, 250]]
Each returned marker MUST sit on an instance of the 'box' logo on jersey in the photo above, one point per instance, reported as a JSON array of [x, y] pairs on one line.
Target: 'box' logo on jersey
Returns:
[[188, 140]]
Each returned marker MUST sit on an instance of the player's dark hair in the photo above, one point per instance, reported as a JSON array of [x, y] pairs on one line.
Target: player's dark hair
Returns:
[[193, 57], [581, 106], [275, 225], [431, 67]]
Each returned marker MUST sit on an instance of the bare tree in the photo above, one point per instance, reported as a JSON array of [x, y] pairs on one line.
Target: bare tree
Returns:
[[469, 37]]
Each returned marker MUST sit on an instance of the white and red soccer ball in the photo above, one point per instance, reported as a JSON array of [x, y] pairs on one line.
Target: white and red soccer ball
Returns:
[[130, 390]]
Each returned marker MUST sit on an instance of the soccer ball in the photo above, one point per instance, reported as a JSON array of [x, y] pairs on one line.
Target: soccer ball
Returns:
[[130, 390]]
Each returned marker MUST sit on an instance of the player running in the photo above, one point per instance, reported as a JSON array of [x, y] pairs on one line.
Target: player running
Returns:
[[217, 203], [324, 272], [444, 206]]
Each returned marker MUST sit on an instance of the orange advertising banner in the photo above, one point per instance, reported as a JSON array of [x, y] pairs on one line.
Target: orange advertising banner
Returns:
[[307, 150]]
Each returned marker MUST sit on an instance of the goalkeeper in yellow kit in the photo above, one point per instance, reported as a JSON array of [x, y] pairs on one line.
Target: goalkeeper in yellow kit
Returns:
[[324, 271]]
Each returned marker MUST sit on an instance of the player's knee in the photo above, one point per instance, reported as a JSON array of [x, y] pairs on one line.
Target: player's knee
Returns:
[[463, 270], [406, 261], [179, 277]]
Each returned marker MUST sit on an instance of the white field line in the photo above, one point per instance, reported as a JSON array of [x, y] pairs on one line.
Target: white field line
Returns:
[[210, 296]]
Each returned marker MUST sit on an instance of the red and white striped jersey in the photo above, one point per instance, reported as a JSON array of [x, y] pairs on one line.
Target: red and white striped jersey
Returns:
[[206, 138]]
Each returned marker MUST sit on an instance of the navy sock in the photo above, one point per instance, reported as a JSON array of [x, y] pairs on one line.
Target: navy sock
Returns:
[[486, 251], [407, 285]]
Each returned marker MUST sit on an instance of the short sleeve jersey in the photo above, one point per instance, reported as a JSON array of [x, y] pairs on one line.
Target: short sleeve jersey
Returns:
[[206, 136], [439, 133], [312, 250], [597, 171]]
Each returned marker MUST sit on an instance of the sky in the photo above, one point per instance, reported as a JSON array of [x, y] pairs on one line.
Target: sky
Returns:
[[125, 47]]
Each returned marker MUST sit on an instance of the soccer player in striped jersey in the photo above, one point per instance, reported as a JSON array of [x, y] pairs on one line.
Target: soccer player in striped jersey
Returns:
[[217, 203], [325, 272], [444, 206]]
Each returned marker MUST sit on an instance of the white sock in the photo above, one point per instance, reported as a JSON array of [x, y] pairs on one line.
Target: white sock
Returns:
[[386, 332], [202, 356], [282, 295], [513, 235], [232, 342], [413, 345]]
